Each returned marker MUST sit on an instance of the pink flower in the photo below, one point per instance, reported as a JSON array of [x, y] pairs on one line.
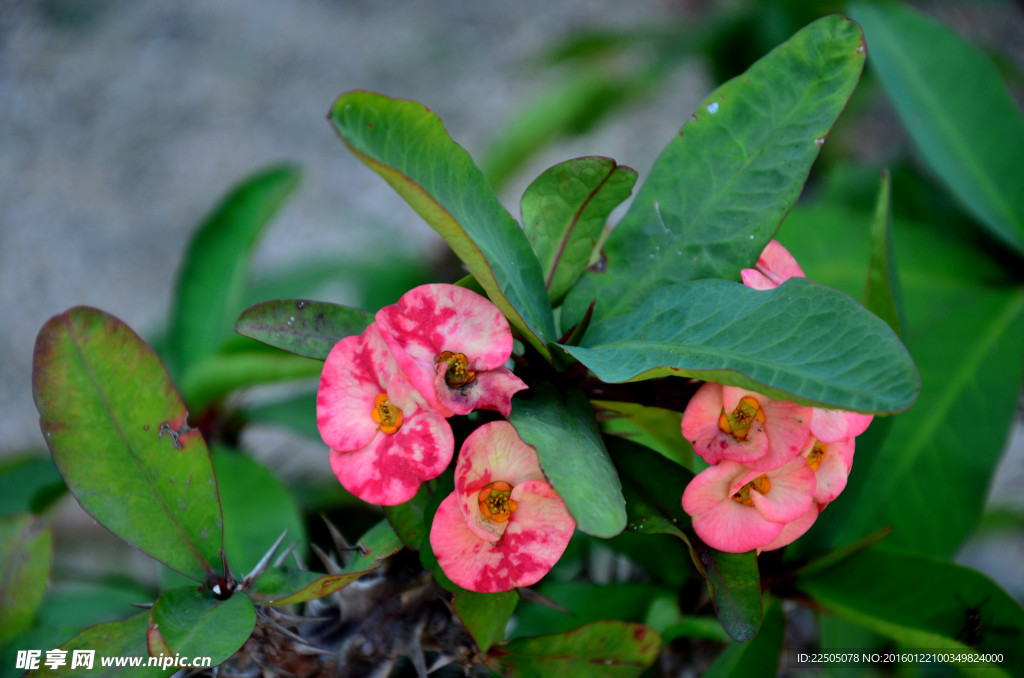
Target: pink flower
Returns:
[[831, 463], [832, 426], [725, 422], [452, 344], [504, 526], [384, 437], [736, 509], [794, 529], [774, 266]]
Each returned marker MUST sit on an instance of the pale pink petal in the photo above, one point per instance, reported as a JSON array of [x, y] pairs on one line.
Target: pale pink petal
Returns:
[[755, 279], [700, 427], [391, 468], [712, 486], [833, 470], [460, 553], [490, 390], [794, 529], [431, 319], [779, 439], [791, 492], [778, 264], [734, 528], [344, 400], [830, 426]]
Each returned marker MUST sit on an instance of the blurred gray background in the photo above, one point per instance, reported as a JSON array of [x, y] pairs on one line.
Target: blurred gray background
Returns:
[[122, 122]]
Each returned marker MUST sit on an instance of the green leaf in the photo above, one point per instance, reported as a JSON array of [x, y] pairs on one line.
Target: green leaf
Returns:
[[607, 648], [210, 285], [297, 413], [193, 623], [257, 510], [125, 638], [306, 328], [882, 289], [758, 657], [653, 427], [84, 603], [654, 486], [287, 585], [957, 110], [800, 341], [922, 602], [564, 431], [26, 548], [720, 189], [409, 520], [216, 376], [564, 214], [118, 434], [407, 144], [485, 614], [586, 602], [29, 483]]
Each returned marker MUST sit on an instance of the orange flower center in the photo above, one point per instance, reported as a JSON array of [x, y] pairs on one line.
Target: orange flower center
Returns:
[[495, 502], [458, 372], [386, 415], [816, 455], [739, 421], [761, 484]]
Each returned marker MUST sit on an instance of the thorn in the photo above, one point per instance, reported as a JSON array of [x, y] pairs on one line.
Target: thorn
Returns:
[[532, 596], [341, 544], [261, 566], [144, 606], [284, 555], [288, 633], [440, 662], [329, 563]]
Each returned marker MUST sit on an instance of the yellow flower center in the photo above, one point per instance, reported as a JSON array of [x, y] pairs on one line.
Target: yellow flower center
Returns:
[[816, 455], [739, 421], [386, 415], [495, 502], [760, 483], [458, 372]]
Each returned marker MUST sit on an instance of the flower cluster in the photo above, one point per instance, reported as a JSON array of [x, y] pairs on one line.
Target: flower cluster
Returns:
[[385, 395], [774, 465], [382, 407]]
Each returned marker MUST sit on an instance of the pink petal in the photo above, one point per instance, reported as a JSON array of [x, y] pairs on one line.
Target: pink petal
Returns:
[[538, 532], [778, 264], [756, 280], [830, 426], [391, 468], [794, 529], [700, 427], [712, 486], [791, 492], [833, 470], [344, 400], [490, 390], [734, 528]]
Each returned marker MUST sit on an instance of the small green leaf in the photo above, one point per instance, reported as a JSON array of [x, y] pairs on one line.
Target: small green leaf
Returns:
[[409, 520], [564, 213], [720, 189], [922, 602], [210, 284], [606, 648], [883, 295], [586, 602], [800, 341], [192, 623], [216, 376], [29, 483], [564, 432], [956, 108], [257, 510], [118, 434], [653, 427], [26, 548], [125, 638], [406, 143], [654, 486], [306, 328], [485, 615], [758, 657]]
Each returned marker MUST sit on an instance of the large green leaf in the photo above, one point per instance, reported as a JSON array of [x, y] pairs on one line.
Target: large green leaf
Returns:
[[565, 433], [564, 214], [654, 486], [956, 108], [720, 189], [124, 642], [606, 648], [800, 341], [406, 143], [25, 552], [118, 434], [485, 615], [306, 328], [210, 284], [217, 375], [923, 602], [192, 623], [760, 656]]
